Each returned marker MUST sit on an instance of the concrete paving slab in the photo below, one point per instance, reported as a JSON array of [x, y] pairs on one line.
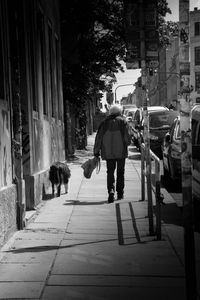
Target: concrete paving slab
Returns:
[[150, 259], [107, 280], [110, 293], [23, 272], [47, 225], [89, 236], [92, 221], [20, 290], [53, 218], [100, 210], [98, 231], [32, 255], [38, 234], [37, 243]]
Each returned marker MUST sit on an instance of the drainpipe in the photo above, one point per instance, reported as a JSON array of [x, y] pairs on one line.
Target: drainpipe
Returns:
[[14, 26]]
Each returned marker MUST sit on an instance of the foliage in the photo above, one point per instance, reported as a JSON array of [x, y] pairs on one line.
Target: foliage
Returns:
[[93, 44], [166, 29], [92, 41]]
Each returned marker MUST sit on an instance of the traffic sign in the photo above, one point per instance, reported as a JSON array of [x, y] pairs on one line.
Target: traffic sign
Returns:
[[132, 55], [152, 64], [133, 65]]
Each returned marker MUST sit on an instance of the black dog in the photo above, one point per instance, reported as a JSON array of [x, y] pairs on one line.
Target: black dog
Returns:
[[59, 173]]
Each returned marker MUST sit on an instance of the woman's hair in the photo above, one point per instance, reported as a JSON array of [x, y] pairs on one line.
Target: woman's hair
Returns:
[[115, 109]]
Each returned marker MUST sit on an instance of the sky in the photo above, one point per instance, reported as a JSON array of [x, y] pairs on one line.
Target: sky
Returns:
[[174, 6], [129, 77]]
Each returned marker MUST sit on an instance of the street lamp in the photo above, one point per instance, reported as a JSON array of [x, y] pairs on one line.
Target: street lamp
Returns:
[[128, 84]]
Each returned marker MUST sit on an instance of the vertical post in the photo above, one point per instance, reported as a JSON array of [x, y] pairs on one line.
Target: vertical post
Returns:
[[16, 25], [146, 120], [186, 156], [142, 174], [158, 204]]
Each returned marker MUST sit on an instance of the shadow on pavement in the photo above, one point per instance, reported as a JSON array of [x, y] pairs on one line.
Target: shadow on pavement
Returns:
[[171, 214], [77, 202], [172, 186], [56, 247]]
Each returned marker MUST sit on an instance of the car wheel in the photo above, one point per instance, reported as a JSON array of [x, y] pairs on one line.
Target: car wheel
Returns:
[[171, 171], [166, 173], [135, 142]]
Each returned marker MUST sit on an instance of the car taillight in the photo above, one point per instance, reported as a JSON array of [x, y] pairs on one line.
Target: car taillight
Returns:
[[176, 154], [153, 137]]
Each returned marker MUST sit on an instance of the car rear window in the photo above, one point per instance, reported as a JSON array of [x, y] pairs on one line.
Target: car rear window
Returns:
[[159, 120]]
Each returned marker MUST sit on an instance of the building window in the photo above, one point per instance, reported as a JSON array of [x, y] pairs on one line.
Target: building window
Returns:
[[197, 55], [2, 91], [32, 62], [198, 100], [42, 57], [197, 28], [58, 78], [197, 81], [51, 72]]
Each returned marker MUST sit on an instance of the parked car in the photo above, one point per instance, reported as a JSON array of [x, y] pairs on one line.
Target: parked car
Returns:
[[127, 106], [129, 114], [160, 119], [137, 119], [171, 151]]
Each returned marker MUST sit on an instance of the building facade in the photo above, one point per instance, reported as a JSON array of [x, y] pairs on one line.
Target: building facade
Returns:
[[195, 54], [31, 106], [172, 72]]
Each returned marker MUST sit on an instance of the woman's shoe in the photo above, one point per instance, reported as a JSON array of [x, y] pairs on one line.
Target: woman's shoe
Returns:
[[120, 196], [111, 197]]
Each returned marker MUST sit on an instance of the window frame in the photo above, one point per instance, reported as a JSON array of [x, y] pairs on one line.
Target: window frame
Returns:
[[197, 56], [197, 28]]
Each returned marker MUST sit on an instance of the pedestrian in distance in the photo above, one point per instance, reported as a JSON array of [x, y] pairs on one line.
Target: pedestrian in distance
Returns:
[[111, 143]]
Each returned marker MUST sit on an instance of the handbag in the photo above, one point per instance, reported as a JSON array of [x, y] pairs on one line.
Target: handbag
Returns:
[[89, 166]]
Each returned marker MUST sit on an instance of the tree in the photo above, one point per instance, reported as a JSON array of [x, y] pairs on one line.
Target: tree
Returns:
[[93, 44], [165, 29]]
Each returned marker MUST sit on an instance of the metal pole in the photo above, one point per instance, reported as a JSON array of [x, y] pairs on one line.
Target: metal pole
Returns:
[[186, 156], [128, 84], [142, 173], [158, 204], [146, 120]]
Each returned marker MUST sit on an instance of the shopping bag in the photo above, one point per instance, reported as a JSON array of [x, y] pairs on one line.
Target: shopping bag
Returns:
[[89, 166]]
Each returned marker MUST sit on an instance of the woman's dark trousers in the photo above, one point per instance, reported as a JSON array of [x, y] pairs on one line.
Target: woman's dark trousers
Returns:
[[111, 166]]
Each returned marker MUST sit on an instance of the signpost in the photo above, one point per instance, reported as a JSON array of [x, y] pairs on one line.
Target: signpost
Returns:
[[186, 145], [142, 51]]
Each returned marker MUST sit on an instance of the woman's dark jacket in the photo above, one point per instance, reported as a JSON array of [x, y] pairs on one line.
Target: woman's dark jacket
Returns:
[[112, 138]]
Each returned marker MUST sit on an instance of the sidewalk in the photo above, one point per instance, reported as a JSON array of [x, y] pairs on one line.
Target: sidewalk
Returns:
[[78, 246]]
